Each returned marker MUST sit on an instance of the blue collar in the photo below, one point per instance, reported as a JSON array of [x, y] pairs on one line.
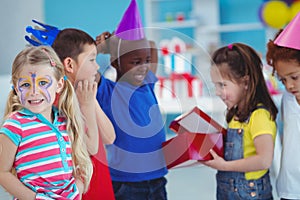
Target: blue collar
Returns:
[[27, 112]]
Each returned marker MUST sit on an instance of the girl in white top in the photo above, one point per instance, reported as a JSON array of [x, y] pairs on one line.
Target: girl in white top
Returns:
[[286, 62], [288, 182]]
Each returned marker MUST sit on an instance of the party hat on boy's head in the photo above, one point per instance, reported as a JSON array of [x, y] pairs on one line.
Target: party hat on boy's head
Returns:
[[130, 27], [41, 36], [129, 35], [290, 36]]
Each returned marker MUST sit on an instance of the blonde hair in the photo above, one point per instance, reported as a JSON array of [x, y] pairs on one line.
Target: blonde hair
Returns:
[[67, 105]]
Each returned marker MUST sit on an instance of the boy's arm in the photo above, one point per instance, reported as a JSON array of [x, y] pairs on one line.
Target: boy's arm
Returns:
[[86, 93], [154, 57], [9, 181], [105, 127]]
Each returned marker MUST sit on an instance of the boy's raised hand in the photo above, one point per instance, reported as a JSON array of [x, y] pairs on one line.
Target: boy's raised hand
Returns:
[[86, 92], [102, 43]]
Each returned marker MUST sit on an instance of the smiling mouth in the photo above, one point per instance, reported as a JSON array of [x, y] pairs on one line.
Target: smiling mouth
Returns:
[[35, 102], [140, 77]]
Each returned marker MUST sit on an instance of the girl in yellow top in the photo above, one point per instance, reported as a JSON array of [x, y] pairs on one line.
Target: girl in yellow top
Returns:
[[249, 143]]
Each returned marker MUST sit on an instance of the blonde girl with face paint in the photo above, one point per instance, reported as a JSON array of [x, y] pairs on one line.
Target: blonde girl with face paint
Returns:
[[41, 142]]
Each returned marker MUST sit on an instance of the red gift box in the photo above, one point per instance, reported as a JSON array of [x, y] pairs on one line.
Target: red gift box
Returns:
[[197, 134]]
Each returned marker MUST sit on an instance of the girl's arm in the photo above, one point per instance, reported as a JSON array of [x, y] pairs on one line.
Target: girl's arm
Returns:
[[262, 160], [86, 94], [9, 181], [105, 127]]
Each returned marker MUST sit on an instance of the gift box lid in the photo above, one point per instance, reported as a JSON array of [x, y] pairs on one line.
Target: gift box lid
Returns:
[[197, 134], [186, 149], [196, 121]]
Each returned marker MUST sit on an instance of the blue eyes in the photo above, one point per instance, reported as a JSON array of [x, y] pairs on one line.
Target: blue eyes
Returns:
[[27, 85], [43, 83]]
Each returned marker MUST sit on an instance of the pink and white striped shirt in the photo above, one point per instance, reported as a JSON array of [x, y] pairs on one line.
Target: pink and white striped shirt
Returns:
[[43, 160]]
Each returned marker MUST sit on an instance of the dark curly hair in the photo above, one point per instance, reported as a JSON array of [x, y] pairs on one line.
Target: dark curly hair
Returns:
[[277, 53]]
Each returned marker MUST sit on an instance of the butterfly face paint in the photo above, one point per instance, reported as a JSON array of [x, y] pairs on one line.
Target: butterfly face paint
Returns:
[[34, 85]]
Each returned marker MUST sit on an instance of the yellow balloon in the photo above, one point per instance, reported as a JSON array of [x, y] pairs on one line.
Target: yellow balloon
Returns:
[[294, 9], [276, 14]]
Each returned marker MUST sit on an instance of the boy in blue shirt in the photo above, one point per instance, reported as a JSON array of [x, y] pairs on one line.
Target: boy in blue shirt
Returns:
[[136, 161]]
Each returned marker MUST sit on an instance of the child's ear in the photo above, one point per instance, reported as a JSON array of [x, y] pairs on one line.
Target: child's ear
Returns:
[[246, 81], [60, 85], [68, 64]]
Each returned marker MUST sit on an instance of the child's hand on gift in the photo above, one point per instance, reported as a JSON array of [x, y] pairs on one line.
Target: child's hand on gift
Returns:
[[217, 162]]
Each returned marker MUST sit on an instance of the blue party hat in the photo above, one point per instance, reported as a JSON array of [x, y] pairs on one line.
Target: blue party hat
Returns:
[[39, 36]]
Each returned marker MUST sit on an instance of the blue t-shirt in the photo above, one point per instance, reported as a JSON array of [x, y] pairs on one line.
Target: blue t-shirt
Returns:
[[136, 154]]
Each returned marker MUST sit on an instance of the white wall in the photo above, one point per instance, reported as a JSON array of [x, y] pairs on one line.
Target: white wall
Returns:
[[5, 89], [15, 16]]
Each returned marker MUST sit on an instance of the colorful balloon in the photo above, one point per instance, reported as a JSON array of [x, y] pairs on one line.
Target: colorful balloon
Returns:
[[294, 9], [260, 13], [276, 14]]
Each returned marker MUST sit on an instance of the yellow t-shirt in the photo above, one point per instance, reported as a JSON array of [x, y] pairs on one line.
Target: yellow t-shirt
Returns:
[[260, 123]]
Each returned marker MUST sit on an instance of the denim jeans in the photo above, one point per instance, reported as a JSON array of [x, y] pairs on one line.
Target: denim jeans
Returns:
[[233, 185], [145, 190], [238, 188]]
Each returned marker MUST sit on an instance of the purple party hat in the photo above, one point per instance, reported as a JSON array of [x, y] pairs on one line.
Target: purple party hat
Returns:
[[290, 36], [130, 27]]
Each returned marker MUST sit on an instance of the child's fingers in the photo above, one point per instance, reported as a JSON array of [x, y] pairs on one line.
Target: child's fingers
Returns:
[[102, 37], [86, 85], [79, 85], [95, 87], [105, 35], [213, 153]]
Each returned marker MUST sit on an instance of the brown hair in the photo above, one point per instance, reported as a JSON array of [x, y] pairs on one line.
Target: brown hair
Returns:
[[277, 53], [69, 43], [242, 60]]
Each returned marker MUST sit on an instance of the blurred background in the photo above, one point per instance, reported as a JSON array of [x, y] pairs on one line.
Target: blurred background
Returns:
[[186, 32]]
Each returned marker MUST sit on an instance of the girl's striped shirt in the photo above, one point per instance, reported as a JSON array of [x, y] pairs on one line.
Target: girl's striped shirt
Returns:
[[43, 159]]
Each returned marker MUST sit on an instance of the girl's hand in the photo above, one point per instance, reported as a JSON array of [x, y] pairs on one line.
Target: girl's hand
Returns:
[[86, 92], [217, 162], [102, 43]]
